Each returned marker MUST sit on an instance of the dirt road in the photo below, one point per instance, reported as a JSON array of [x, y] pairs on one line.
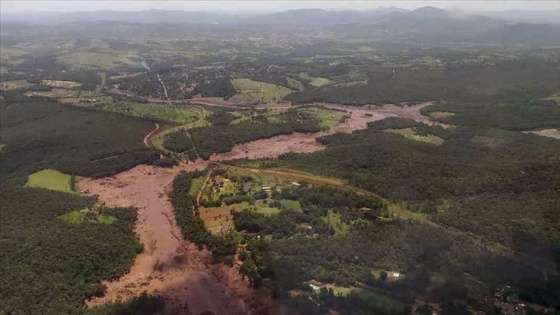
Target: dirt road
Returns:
[[147, 137]]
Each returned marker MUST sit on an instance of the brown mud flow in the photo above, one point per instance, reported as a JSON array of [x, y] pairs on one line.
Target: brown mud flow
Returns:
[[174, 268]]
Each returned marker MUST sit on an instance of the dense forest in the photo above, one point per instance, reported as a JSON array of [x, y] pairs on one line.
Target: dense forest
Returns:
[[458, 83], [49, 265], [479, 182], [39, 134], [222, 136], [304, 246]]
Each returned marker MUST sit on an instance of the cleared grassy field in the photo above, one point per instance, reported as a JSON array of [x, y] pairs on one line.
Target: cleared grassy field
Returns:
[[438, 115], [82, 216], [555, 97], [14, 85], [8, 53], [550, 133], [196, 186], [333, 221], [50, 179], [411, 134], [93, 60], [62, 95], [291, 204], [295, 84], [316, 81], [61, 84], [373, 298], [265, 209], [103, 77], [250, 91], [327, 118], [172, 113]]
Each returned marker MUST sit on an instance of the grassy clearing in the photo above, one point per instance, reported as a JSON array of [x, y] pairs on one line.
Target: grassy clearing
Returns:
[[438, 115], [82, 216], [316, 81], [50, 179], [352, 83], [8, 53], [14, 85], [327, 118], [173, 113], [94, 60], [103, 77], [157, 139], [550, 133], [196, 186], [254, 92], [291, 204], [373, 298], [554, 97], [405, 214], [334, 221], [62, 95], [61, 84], [263, 208], [295, 84], [410, 134]]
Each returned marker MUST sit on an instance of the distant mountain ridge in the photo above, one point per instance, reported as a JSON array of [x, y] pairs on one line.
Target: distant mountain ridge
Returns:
[[425, 24]]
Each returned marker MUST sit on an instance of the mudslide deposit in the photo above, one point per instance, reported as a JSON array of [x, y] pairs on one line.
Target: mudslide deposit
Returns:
[[174, 268]]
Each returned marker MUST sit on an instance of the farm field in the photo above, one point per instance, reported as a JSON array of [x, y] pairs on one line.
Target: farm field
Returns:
[[254, 92], [61, 84], [14, 85], [438, 115], [179, 114], [93, 60], [51, 179], [555, 97], [409, 133], [316, 81], [551, 133], [295, 84], [63, 95], [83, 216]]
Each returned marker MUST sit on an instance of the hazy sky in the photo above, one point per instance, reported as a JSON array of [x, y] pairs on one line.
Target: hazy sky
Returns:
[[265, 6]]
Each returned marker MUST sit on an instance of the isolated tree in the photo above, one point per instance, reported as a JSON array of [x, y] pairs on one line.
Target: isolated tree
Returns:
[[383, 276]]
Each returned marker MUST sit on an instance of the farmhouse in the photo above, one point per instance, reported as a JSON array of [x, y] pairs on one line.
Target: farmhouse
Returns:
[[315, 285], [394, 276]]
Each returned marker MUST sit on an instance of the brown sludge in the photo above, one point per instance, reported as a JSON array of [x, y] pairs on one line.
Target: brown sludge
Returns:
[[174, 268]]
